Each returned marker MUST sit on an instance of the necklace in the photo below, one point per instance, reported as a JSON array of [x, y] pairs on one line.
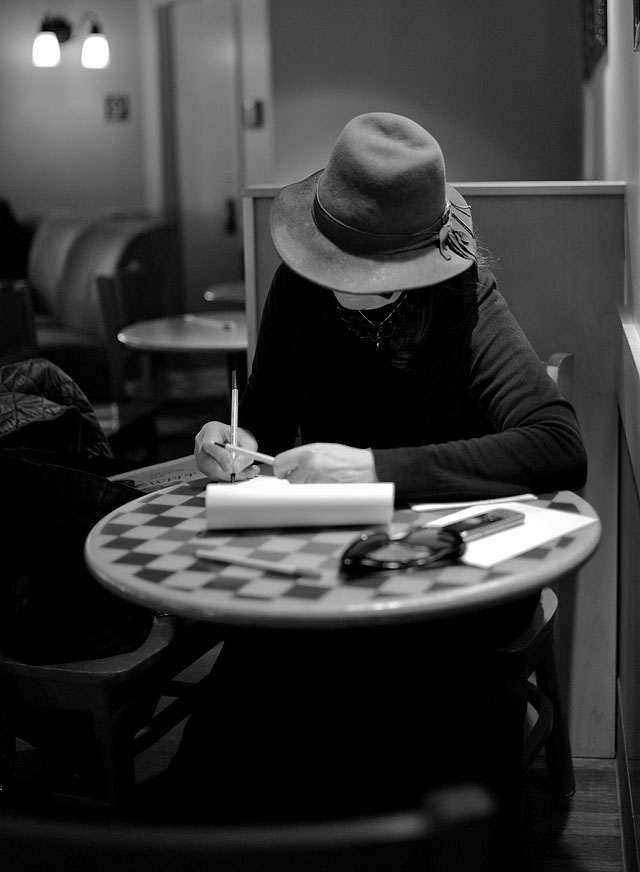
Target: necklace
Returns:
[[380, 331]]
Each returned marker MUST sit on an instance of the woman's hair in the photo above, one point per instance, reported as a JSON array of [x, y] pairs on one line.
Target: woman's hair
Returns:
[[415, 318]]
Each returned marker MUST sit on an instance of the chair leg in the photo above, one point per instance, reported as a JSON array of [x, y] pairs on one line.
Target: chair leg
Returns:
[[7, 754], [538, 736], [118, 760], [558, 745]]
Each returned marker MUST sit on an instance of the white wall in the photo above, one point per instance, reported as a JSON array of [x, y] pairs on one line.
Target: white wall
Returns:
[[498, 84], [57, 150], [612, 130]]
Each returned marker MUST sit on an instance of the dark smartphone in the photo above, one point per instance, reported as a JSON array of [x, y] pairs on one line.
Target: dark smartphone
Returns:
[[486, 523]]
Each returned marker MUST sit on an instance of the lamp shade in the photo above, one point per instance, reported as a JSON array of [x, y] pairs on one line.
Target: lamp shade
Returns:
[[95, 51], [46, 49]]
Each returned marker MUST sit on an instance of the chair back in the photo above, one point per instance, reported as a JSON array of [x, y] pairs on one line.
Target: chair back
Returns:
[[123, 297], [452, 831], [17, 324], [560, 369], [53, 240]]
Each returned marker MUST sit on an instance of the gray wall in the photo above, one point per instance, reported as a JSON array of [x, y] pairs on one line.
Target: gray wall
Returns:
[[497, 83]]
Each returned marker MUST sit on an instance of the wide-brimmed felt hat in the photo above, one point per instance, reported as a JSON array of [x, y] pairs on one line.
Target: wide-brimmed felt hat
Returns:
[[380, 217]]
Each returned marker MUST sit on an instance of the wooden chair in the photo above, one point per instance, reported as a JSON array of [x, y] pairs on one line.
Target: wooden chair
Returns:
[[532, 654], [120, 299], [531, 657], [453, 830], [560, 369], [119, 693], [180, 384]]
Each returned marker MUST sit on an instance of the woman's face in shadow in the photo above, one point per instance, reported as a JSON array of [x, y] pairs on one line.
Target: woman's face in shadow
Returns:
[[366, 301]]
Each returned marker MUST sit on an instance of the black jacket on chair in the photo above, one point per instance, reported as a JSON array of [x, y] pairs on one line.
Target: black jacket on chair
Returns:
[[54, 459]]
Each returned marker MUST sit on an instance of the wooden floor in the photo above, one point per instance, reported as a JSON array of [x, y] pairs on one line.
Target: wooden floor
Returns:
[[579, 834]]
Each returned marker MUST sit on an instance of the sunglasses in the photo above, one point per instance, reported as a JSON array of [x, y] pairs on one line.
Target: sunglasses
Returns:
[[377, 550]]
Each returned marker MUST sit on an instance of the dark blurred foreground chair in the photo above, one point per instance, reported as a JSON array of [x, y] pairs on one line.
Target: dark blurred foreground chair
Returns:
[[52, 609], [452, 832], [120, 695]]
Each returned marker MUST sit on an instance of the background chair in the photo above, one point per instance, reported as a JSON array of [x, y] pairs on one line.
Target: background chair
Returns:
[[452, 831], [122, 302], [67, 252], [186, 389], [17, 325], [120, 695], [560, 369], [129, 425]]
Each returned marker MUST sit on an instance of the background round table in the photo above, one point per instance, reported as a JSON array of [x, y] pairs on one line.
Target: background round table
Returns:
[[145, 552], [220, 331]]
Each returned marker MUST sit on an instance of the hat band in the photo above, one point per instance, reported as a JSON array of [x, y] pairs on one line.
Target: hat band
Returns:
[[352, 239]]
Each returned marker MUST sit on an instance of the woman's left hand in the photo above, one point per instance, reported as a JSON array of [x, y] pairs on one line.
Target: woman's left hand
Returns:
[[325, 462]]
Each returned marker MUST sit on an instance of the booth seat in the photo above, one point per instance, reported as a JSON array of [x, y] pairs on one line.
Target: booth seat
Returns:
[[68, 252]]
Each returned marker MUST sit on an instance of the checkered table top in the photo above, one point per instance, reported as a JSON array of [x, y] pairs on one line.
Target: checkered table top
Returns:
[[145, 551]]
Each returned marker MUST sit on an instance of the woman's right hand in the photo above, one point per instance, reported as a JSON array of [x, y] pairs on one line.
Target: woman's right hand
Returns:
[[215, 461]]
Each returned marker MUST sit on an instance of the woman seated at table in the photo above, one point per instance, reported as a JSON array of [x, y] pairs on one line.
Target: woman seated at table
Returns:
[[387, 347]]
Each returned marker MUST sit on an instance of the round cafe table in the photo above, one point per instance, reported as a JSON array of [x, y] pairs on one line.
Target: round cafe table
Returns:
[[221, 332], [145, 552]]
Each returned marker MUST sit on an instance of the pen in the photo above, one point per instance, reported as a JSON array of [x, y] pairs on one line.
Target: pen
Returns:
[[206, 321], [255, 563], [234, 417], [257, 455]]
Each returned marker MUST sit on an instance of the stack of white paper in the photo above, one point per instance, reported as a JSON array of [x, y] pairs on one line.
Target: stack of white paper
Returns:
[[266, 501]]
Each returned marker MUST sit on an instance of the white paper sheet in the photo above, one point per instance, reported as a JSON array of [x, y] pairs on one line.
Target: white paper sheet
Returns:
[[433, 507], [266, 501], [540, 526]]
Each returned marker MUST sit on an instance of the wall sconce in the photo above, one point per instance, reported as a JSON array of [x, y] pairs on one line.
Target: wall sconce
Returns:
[[56, 31]]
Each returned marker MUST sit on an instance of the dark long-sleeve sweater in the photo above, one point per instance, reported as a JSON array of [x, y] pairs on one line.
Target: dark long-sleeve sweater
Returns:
[[476, 415]]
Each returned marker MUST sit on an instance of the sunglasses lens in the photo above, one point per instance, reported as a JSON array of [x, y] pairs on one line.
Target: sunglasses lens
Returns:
[[359, 550], [427, 538], [376, 551]]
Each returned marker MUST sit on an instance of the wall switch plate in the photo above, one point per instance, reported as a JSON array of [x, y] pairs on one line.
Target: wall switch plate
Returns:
[[116, 107]]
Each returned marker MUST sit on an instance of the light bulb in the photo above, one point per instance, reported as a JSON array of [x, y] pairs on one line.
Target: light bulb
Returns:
[[95, 52], [46, 50]]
